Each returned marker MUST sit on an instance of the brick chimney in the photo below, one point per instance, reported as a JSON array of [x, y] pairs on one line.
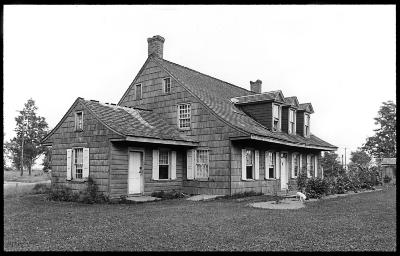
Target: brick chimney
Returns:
[[155, 46], [256, 86]]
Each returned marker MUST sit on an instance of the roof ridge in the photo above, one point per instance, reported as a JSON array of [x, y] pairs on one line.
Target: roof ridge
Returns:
[[204, 74]]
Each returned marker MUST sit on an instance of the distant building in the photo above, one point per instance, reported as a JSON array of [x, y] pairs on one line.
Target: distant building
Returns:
[[388, 168]]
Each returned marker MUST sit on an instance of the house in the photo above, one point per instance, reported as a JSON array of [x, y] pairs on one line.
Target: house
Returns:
[[388, 168], [175, 128]]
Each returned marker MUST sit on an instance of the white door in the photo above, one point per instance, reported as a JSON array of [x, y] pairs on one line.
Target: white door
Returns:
[[284, 171], [135, 173]]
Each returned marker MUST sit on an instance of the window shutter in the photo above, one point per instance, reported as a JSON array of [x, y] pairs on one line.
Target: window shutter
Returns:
[[69, 162], [308, 166], [315, 166], [322, 172], [293, 165], [173, 165], [300, 164], [277, 165], [155, 164], [189, 164], [256, 164], [266, 175], [243, 164], [85, 171]]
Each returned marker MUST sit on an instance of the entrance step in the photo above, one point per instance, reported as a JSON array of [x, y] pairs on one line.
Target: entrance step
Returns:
[[142, 199], [203, 197]]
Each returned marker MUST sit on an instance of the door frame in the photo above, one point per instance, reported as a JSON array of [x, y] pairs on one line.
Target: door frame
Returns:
[[286, 169], [138, 150]]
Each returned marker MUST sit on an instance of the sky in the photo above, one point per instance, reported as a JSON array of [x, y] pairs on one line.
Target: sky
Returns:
[[341, 58]]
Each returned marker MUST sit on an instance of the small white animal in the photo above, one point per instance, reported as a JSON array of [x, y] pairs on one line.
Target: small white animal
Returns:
[[301, 196]]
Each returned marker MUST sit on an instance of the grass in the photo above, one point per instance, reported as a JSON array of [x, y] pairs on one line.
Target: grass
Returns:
[[360, 222], [36, 175]]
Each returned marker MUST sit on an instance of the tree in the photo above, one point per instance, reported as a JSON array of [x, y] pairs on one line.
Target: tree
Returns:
[[331, 165], [47, 159], [383, 143], [360, 158], [30, 129]]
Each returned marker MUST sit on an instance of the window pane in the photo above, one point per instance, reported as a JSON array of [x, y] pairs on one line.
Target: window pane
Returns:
[[138, 91], [167, 85], [184, 115], [249, 157], [275, 111], [249, 172], [202, 163], [163, 172], [271, 172], [163, 157]]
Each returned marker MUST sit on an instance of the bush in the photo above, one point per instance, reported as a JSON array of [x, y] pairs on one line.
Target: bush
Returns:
[[387, 179], [301, 181], [168, 195], [316, 188], [243, 194], [40, 188], [90, 195]]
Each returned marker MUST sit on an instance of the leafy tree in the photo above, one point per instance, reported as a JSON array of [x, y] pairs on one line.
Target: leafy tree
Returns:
[[383, 143], [331, 165], [360, 158], [30, 129], [47, 159]]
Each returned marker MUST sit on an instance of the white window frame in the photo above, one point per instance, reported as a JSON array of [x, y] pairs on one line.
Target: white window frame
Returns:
[[165, 83], [168, 154], [278, 127], [77, 128], [292, 130], [136, 92], [306, 125], [181, 116], [268, 155], [204, 166], [75, 164], [298, 164]]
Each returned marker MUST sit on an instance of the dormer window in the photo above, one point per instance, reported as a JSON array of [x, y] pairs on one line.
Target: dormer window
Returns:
[[306, 125], [167, 85], [276, 119], [79, 121], [292, 121]]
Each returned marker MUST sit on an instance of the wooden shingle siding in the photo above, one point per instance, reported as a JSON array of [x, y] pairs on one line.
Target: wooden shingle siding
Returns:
[[211, 132], [285, 119], [95, 136], [261, 112], [300, 123]]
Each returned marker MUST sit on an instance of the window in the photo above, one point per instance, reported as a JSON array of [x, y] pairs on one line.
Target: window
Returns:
[[167, 85], [292, 118], [184, 116], [163, 165], [275, 112], [202, 164], [296, 164], [77, 168], [138, 91], [78, 121], [306, 125], [249, 164], [271, 160]]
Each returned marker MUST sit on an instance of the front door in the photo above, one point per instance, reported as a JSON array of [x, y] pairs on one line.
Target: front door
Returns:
[[135, 172], [284, 173]]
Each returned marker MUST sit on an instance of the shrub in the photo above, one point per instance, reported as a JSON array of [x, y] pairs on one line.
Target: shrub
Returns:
[[316, 188], [301, 181], [243, 194], [90, 195], [168, 195], [387, 179], [40, 188]]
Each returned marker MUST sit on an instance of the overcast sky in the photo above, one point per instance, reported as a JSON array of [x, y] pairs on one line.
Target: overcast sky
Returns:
[[340, 58]]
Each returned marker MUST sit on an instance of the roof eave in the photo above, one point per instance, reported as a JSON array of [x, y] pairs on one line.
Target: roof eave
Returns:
[[158, 141]]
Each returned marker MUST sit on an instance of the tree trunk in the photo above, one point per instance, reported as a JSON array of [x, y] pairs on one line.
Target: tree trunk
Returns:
[[22, 170], [30, 169]]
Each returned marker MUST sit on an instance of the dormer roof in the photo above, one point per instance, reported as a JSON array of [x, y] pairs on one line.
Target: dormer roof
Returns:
[[272, 96], [292, 102], [307, 107]]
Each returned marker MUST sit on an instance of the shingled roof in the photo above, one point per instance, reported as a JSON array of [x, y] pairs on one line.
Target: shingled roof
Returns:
[[292, 101], [217, 94], [132, 123], [276, 96], [306, 107]]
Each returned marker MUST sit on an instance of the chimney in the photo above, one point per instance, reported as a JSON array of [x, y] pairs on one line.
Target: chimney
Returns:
[[256, 86], [155, 46]]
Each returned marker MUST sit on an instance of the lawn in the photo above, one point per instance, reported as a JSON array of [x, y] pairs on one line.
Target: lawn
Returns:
[[36, 175], [360, 222]]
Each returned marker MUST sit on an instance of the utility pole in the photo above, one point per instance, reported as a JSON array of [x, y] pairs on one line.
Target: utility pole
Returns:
[[22, 146]]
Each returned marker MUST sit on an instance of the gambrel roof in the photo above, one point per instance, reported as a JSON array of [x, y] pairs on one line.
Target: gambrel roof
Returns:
[[131, 123], [216, 95]]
